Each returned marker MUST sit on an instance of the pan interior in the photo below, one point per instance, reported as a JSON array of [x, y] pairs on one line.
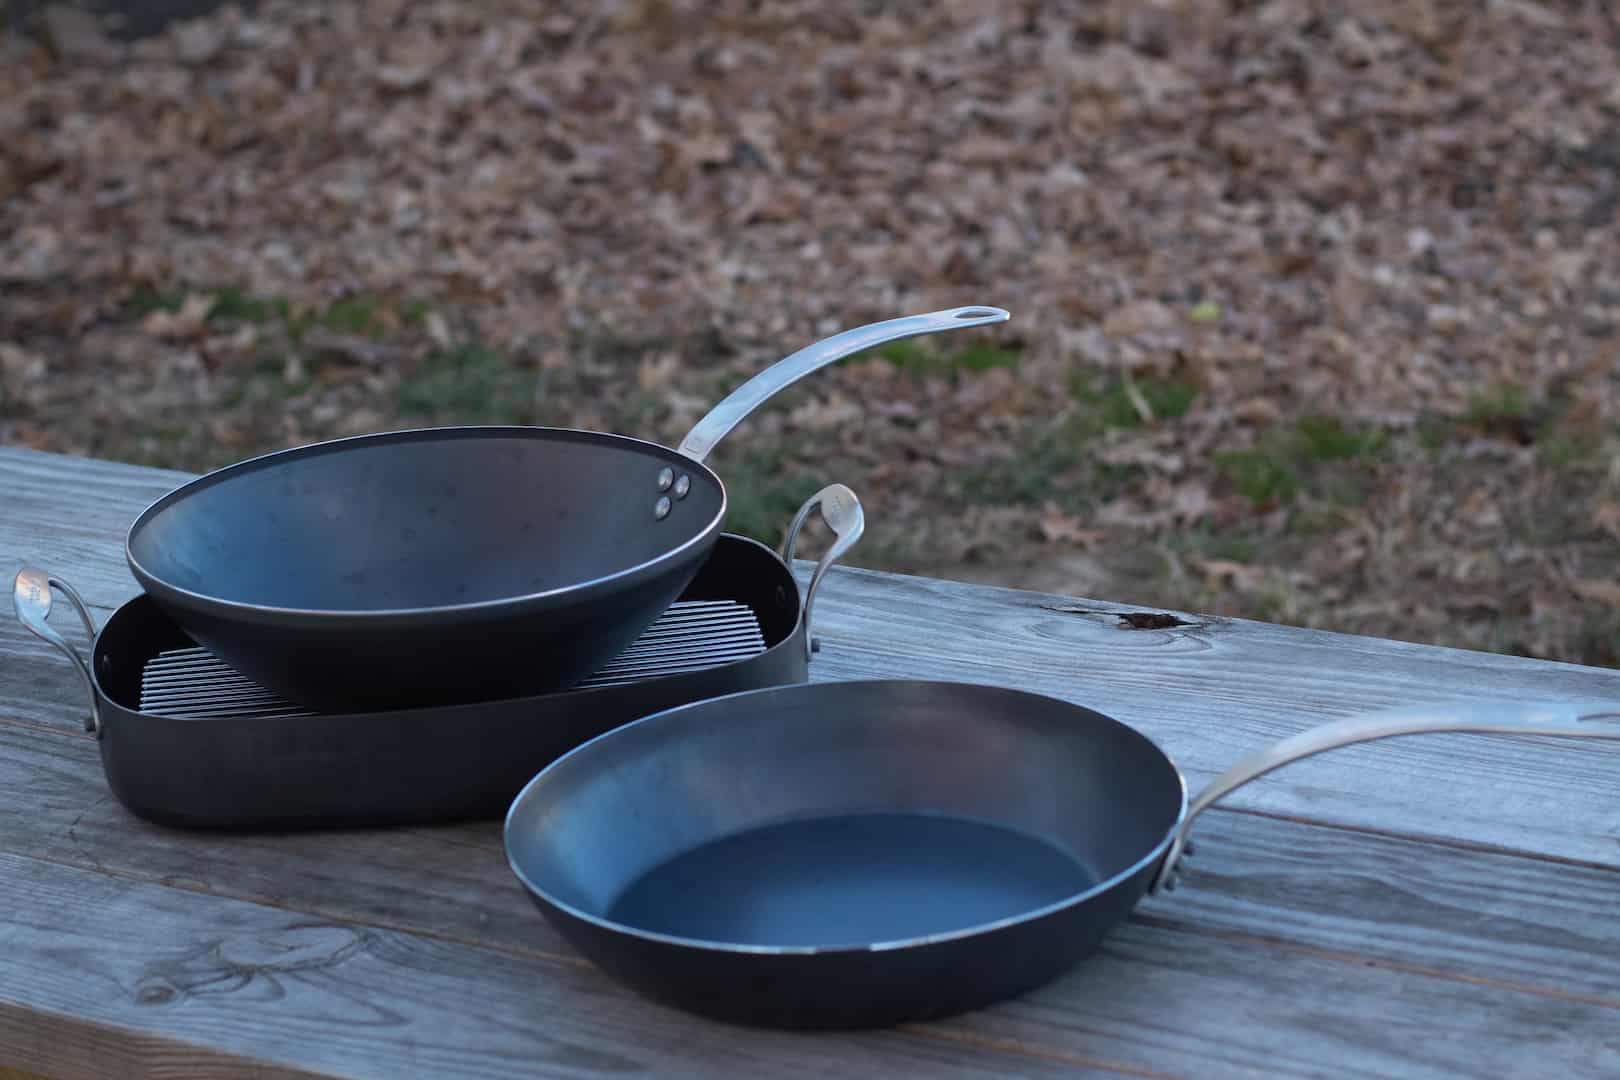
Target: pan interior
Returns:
[[832, 815], [423, 519], [844, 878]]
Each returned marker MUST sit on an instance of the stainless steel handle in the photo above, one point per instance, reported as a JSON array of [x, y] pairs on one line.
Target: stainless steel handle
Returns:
[[842, 512], [736, 406], [31, 596], [1585, 722]]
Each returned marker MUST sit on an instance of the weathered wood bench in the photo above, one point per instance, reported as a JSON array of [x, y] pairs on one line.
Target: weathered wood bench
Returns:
[[1439, 905]]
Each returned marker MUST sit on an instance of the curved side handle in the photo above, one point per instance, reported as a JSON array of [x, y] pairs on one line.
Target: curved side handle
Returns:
[[842, 512], [1590, 722], [31, 595], [736, 406]]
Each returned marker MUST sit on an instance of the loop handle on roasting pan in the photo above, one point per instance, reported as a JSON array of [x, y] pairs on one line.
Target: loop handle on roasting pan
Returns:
[[1593, 721], [736, 406], [31, 595], [842, 512]]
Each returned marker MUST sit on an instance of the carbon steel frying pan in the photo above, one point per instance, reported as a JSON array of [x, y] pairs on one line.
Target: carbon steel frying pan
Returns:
[[855, 854], [453, 564]]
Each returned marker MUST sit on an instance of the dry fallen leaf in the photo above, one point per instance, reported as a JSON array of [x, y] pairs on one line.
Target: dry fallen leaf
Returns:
[[1238, 575], [1603, 592], [185, 324], [1059, 528]]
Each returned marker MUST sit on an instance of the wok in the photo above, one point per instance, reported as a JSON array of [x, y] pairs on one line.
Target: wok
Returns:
[[453, 564], [855, 854]]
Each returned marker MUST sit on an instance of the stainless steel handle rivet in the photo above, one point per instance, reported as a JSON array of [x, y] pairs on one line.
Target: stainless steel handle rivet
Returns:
[[682, 486], [661, 510], [666, 478]]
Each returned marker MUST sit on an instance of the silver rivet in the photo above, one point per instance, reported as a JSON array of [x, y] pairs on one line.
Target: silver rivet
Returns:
[[661, 511], [682, 486], [666, 478]]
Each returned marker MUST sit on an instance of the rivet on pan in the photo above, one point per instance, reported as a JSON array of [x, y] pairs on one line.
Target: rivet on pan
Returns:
[[665, 478], [682, 486], [661, 511]]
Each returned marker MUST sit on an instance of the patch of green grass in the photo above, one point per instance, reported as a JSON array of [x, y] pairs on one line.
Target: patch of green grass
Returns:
[[355, 315], [159, 446], [1500, 401], [639, 411], [266, 381], [763, 492], [1597, 643], [916, 358], [1506, 411], [1262, 476], [1319, 454], [147, 300], [1567, 450], [1434, 432], [365, 315], [233, 305], [469, 384], [1326, 438], [1056, 464], [1239, 546], [1110, 404], [1029, 475]]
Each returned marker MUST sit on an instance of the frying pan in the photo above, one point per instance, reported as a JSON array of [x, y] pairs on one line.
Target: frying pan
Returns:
[[857, 854], [453, 564]]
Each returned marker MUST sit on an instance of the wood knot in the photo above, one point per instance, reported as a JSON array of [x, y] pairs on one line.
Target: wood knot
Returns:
[[156, 994]]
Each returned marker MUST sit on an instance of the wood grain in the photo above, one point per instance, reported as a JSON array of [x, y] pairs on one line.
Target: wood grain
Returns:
[[221, 988], [228, 987], [1510, 928]]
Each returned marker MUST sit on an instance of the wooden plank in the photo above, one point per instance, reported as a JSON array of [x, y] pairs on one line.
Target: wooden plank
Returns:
[[1165, 1000], [1208, 693], [227, 988], [1529, 925], [1213, 693], [208, 980]]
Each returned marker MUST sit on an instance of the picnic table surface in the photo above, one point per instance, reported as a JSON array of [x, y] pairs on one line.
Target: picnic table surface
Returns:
[[1439, 905]]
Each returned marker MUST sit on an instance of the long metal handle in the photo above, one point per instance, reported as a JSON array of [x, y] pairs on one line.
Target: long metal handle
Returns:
[[31, 595], [842, 512], [736, 406], [1586, 722]]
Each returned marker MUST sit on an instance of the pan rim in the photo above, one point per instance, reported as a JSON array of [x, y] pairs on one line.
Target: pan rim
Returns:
[[1157, 852], [215, 604]]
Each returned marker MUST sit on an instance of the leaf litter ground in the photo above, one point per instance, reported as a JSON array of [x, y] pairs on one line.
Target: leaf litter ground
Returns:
[[1314, 304]]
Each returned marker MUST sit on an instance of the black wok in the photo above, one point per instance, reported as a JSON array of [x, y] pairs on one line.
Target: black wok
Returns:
[[864, 853], [453, 564]]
